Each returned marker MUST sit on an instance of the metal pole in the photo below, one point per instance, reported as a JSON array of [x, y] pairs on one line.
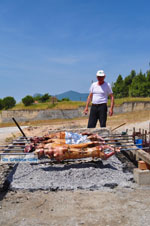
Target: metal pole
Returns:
[[119, 126], [116, 135], [115, 139], [11, 146], [19, 127], [15, 153], [130, 149], [12, 149]]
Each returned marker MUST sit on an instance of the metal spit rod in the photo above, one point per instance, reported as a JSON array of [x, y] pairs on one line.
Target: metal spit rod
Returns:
[[129, 141], [16, 153], [129, 149], [22, 148], [14, 142], [103, 136], [116, 139], [12, 150], [21, 142], [116, 135], [11, 146]]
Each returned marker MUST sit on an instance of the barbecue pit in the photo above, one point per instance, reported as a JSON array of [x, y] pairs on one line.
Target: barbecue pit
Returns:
[[48, 174]]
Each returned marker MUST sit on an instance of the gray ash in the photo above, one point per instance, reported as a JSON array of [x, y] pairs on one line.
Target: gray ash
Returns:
[[71, 175]]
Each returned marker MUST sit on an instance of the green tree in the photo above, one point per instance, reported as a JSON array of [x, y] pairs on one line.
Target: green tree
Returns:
[[133, 74], [28, 100], [1, 104], [119, 88], [144, 89], [148, 75], [37, 97], [139, 86], [9, 102], [135, 85], [45, 97], [127, 83], [148, 81]]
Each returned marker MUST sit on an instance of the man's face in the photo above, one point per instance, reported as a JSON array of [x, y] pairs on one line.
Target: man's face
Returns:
[[100, 79]]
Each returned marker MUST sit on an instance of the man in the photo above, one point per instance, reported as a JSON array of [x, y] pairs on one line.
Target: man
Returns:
[[99, 92]]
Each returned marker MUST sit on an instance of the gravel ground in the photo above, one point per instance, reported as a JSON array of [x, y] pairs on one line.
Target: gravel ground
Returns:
[[90, 175]]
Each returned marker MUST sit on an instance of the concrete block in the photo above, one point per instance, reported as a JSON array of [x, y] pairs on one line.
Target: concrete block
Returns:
[[142, 177]]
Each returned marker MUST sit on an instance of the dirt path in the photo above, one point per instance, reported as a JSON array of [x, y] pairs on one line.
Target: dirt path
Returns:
[[116, 207], [7, 133]]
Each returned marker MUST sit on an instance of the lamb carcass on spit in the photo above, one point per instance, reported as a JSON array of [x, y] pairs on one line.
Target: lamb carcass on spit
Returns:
[[68, 145]]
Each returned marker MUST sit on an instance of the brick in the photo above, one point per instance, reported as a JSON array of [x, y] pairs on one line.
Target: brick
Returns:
[[143, 165]]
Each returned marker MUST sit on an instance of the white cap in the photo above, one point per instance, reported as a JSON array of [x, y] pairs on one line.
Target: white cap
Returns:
[[100, 73]]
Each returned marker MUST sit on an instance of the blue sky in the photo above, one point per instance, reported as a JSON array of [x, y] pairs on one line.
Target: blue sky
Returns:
[[52, 46]]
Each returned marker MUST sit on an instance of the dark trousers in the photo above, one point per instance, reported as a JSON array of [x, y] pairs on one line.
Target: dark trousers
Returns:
[[98, 112]]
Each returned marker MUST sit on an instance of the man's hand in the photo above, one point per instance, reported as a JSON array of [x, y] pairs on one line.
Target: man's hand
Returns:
[[110, 112], [112, 104], [87, 103], [85, 111]]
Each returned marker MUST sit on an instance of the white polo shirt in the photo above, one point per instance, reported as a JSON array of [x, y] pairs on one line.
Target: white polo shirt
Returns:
[[100, 92]]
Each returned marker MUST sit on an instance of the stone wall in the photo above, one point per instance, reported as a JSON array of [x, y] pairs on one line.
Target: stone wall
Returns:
[[132, 106], [29, 115]]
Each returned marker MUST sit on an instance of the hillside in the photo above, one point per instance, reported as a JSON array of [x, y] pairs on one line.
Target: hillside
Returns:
[[72, 95]]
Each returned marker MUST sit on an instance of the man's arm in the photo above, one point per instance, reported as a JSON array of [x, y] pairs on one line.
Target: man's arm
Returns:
[[87, 103], [111, 104]]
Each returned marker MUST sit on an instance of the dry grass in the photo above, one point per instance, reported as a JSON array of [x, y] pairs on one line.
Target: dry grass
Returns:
[[129, 117], [73, 104], [49, 105], [115, 120], [45, 122], [130, 99]]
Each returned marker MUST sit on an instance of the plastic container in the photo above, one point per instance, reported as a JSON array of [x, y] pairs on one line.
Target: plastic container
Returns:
[[138, 143]]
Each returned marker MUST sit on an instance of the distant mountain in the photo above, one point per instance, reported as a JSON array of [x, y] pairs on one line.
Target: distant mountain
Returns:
[[72, 95]]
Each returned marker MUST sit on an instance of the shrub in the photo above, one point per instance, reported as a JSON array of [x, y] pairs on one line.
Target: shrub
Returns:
[[65, 99], [8, 102], [28, 100], [37, 98]]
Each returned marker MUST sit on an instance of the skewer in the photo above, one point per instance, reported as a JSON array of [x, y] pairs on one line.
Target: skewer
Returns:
[[20, 142], [116, 139], [22, 153], [11, 146], [31, 153], [119, 142], [12, 150], [130, 149], [116, 135]]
